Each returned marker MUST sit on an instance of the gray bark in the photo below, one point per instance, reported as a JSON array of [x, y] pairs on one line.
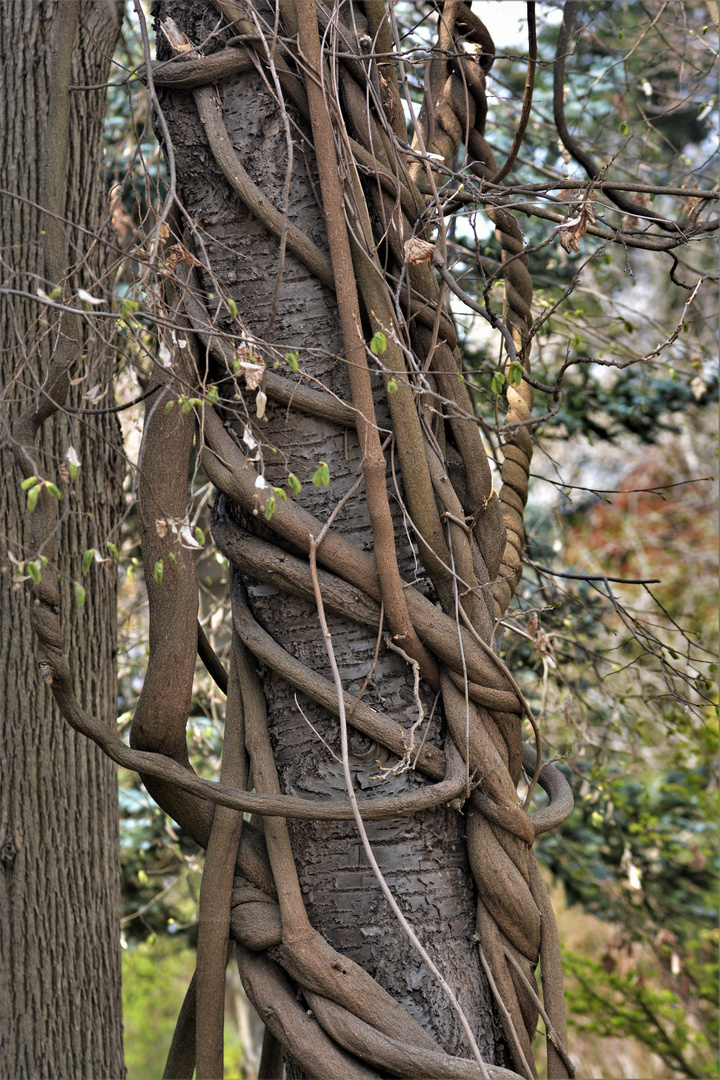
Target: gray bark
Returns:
[[60, 1006], [424, 857]]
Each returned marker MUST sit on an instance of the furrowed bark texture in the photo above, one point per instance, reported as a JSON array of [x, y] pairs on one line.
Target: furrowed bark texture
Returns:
[[424, 857], [60, 1008]]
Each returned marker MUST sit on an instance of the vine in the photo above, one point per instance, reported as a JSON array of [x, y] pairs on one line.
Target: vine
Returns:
[[388, 270]]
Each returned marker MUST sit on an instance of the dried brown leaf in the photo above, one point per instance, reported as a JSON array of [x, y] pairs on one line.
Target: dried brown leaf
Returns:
[[418, 251], [573, 230]]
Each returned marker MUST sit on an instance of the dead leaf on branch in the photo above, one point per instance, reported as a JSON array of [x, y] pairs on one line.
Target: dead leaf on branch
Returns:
[[252, 367], [571, 232], [418, 251]]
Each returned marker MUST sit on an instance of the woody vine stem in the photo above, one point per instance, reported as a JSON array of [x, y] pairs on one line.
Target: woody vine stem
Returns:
[[422, 486]]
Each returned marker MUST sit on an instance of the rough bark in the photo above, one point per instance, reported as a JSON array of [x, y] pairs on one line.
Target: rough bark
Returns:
[[59, 874]]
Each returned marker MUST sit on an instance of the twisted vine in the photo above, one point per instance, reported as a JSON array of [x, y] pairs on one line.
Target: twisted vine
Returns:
[[468, 540]]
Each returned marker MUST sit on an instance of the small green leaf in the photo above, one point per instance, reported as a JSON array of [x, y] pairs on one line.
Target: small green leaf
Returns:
[[232, 307], [294, 484], [322, 475], [212, 395], [624, 128], [292, 360], [171, 558], [276, 365], [53, 489], [87, 559], [392, 386], [56, 293], [497, 383], [73, 469], [199, 535], [158, 571], [168, 406], [378, 345], [515, 373], [270, 507], [186, 407], [112, 549], [34, 571], [80, 594], [30, 482], [280, 494], [32, 498]]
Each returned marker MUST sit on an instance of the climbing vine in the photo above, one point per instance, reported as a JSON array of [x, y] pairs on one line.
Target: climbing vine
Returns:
[[400, 532]]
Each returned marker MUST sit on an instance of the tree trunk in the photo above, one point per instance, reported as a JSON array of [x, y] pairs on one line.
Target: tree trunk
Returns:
[[424, 857], [59, 854]]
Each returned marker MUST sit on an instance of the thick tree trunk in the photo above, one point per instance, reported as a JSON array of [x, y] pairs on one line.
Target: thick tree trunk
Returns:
[[423, 857], [60, 999]]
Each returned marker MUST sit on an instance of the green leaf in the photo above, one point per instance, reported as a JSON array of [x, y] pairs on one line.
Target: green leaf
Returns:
[[56, 293], [212, 394], [270, 507], [292, 359], [378, 345], [280, 494], [515, 373], [34, 571], [322, 475], [30, 482], [53, 489], [199, 535], [168, 406], [87, 559], [171, 558], [112, 549], [498, 382], [158, 571], [392, 386], [73, 469], [186, 407], [232, 307], [32, 498], [80, 594], [294, 484], [623, 129]]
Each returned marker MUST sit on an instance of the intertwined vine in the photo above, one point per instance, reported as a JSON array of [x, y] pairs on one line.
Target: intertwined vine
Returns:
[[337, 80]]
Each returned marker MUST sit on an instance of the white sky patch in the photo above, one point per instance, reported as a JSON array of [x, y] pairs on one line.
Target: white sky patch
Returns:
[[506, 21]]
